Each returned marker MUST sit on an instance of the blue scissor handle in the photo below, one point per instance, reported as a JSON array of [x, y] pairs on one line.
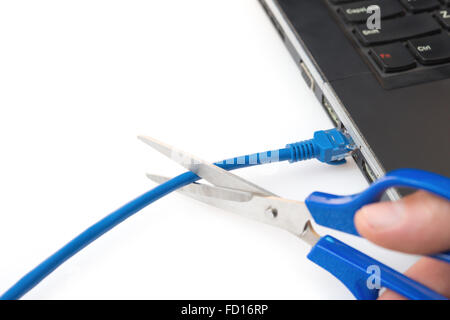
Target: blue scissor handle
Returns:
[[362, 275], [337, 212]]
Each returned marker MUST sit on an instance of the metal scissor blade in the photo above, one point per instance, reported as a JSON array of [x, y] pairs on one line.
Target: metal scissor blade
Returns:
[[211, 173], [207, 191], [290, 215]]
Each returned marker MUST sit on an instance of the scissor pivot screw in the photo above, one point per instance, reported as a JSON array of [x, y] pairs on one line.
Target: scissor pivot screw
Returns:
[[272, 212]]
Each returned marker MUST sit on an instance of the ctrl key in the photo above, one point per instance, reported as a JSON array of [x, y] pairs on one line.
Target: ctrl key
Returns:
[[431, 50], [393, 57]]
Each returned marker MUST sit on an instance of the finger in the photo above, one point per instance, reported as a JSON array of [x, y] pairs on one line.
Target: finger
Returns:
[[429, 272], [418, 223]]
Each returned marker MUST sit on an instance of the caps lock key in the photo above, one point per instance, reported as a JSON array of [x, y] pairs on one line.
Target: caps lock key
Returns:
[[357, 11]]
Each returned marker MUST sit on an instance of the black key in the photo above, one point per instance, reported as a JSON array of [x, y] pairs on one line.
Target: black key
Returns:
[[393, 57], [357, 12], [342, 1], [420, 5], [399, 29], [431, 50], [444, 18]]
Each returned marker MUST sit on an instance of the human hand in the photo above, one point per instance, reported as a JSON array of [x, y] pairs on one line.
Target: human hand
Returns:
[[419, 224]]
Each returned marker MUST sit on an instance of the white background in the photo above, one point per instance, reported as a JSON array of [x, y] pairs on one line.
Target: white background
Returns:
[[79, 80]]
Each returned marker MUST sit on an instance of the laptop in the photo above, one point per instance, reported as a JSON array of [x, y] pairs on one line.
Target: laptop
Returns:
[[387, 86]]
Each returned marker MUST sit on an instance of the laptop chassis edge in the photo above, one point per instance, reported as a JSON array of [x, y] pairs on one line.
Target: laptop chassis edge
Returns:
[[364, 157]]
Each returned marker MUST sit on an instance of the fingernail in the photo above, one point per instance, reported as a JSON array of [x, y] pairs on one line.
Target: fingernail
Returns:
[[385, 215]]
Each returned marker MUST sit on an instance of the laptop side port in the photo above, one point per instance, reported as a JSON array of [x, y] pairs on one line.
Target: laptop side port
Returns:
[[368, 172], [307, 76], [365, 168], [331, 113]]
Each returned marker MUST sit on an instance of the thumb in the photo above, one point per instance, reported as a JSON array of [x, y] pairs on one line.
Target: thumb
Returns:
[[418, 223]]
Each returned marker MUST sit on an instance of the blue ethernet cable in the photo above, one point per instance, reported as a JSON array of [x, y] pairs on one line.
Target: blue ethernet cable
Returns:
[[330, 146]]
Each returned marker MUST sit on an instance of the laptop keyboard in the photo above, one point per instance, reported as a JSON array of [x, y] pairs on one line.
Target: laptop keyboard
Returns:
[[413, 44]]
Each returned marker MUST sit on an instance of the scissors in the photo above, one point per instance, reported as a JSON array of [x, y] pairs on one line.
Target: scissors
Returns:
[[350, 266]]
